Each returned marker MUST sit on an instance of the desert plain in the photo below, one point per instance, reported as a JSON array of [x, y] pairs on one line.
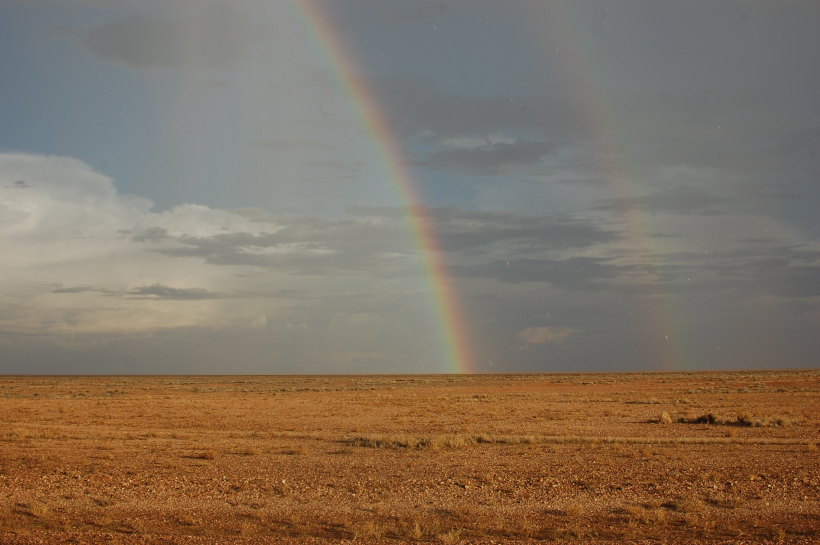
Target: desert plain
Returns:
[[685, 457]]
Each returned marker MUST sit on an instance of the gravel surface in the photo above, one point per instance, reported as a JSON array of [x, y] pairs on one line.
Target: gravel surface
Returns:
[[644, 458]]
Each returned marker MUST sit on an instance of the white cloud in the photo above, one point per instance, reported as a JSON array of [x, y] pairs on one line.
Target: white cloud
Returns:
[[73, 254]]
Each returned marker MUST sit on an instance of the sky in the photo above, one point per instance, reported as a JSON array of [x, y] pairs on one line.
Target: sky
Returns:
[[360, 186]]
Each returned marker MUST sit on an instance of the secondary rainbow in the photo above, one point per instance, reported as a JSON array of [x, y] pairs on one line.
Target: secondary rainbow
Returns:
[[449, 316], [565, 27]]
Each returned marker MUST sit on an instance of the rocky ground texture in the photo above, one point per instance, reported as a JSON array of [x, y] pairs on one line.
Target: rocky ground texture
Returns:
[[674, 457]]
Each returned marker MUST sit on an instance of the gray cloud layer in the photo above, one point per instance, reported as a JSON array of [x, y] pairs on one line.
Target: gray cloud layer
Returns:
[[675, 200], [217, 40]]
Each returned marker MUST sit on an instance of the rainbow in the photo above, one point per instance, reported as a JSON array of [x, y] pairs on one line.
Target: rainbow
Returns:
[[449, 316], [565, 28]]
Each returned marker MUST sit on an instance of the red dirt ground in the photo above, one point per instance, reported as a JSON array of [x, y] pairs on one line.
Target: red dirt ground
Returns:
[[452, 459]]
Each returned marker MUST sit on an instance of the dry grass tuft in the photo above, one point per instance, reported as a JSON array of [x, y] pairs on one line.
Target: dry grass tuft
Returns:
[[574, 510], [439, 442], [687, 504], [450, 536], [39, 510], [745, 419], [18, 434], [295, 450], [370, 529]]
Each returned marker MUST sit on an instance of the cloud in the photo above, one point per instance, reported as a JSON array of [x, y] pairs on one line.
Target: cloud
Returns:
[[154, 292], [574, 274], [346, 170], [682, 145], [160, 292], [489, 159], [381, 13], [415, 106], [84, 264], [81, 289], [677, 200], [374, 240], [289, 144], [89, 247], [543, 335], [153, 234], [216, 40], [458, 229]]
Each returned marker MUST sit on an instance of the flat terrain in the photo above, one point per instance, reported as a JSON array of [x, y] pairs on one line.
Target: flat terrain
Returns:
[[681, 457]]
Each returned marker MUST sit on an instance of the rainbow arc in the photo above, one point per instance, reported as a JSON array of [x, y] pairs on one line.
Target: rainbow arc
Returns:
[[449, 315]]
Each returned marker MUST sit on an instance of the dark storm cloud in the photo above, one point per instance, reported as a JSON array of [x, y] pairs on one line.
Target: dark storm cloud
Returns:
[[765, 266], [344, 170], [459, 230], [158, 291], [769, 192], [306, 245], [386, 13], [737, 132], [217, 40], [777, 270], [290, 144], [371, 241], [575, 273], [414, 105], [677, 200], [780, 270], [490, 159]]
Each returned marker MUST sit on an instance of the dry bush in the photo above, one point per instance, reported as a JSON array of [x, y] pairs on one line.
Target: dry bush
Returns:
[[745, 419], [649, 516], [439, 442], [688, 504], [525, 528], [18, 434], [574, 510], [34, 509], [633, 510], [690, 519], [450, 536], [188, 520], [370, 529], [103, 501], [415, 531]]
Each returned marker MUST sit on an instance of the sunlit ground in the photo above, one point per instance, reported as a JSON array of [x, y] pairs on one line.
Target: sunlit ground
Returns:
[[690, 456]]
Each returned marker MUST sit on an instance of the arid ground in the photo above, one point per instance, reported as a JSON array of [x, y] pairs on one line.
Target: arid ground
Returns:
[[682, 457]]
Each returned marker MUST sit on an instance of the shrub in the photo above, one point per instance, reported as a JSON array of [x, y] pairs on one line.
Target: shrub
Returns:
[[450, 535]]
